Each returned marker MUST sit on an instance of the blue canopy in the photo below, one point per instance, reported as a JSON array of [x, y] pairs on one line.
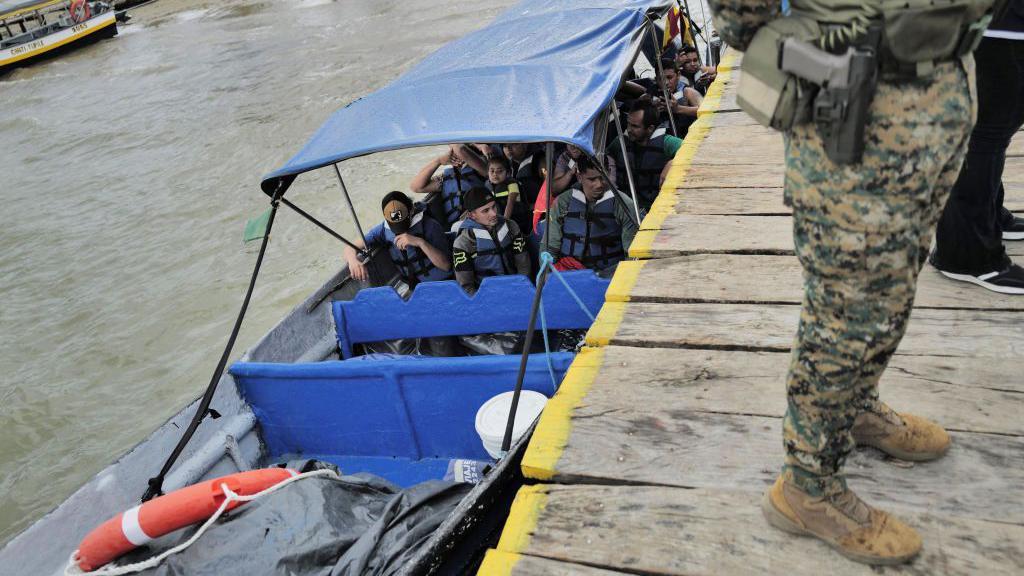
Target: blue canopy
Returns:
[[542, 71]]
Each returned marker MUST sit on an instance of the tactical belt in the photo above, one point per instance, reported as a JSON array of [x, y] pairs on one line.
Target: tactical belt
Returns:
[[892, 68]]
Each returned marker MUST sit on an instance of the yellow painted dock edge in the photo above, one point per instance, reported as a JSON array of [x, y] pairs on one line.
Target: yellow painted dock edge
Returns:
[[552, 430], [515, 536], [669, 193], [498, 563]]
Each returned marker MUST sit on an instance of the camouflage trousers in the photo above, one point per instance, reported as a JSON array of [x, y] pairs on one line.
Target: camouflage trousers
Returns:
[[862, 233]]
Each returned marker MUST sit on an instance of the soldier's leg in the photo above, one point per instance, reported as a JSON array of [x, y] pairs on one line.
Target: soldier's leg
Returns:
[[858, 232], [931, 201]]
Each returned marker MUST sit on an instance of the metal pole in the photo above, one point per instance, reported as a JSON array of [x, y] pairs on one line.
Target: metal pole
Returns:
[[320, 225], [348, 199], [625, 158], [506, 441], [615, 191], [661, 74], [156, 483]]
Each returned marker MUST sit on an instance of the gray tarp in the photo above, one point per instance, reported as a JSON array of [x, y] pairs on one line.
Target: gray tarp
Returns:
[[320, 526]]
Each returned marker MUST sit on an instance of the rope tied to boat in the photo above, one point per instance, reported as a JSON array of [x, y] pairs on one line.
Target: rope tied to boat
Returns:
[[547, 262], [230, 496]]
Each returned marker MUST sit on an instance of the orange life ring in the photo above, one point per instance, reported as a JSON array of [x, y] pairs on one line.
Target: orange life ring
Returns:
[[80, 11], [165, 514]]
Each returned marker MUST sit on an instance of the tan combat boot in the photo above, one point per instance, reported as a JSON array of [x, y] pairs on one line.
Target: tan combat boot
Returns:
[[902, 436], [845, 522]]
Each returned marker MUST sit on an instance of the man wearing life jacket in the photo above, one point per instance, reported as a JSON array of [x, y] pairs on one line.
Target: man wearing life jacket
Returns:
[[487, 244], [415, 242], [592, 228], [685, 100], [648, 151], [467, 169]]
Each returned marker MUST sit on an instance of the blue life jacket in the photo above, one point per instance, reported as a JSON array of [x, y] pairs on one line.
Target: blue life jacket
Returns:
[[495, 252], [646, 162], [453, 186], [591, 234], [413, 265]]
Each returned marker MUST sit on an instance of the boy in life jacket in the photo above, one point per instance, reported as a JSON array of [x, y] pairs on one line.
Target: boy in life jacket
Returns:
[[415, 242], [506, 191], [467, 169], [487, 244], [592, 228]]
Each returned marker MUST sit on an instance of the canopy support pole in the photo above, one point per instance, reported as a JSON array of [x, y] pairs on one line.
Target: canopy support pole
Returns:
[[320, 225], [348, 199], [506, 442], [625, 158], [615, 190], [661, 79], [156, 483]]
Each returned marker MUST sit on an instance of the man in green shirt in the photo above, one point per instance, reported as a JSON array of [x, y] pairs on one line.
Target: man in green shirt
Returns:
[[649, 151], [591, 228]]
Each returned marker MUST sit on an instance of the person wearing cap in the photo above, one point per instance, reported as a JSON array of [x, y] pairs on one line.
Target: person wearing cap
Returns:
[[487, 244], [415, 242], [467, 169]]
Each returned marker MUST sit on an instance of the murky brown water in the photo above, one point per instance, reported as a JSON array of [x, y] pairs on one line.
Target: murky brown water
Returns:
[[127, 171]]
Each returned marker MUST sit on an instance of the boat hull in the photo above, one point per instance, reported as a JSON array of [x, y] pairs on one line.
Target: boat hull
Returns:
[[93, 29]]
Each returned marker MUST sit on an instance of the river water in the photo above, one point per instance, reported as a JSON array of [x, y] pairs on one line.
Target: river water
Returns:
[[127, 171]]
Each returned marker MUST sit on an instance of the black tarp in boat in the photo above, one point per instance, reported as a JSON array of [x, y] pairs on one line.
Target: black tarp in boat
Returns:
[[321, 526]]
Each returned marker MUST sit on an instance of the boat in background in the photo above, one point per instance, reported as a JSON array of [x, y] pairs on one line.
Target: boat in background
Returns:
[[30, 31]]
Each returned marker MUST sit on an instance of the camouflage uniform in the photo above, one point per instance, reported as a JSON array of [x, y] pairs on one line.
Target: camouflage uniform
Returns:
[[862, 233]]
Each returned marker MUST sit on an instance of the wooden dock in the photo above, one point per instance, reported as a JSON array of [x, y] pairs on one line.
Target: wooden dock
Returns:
[[654, 454]]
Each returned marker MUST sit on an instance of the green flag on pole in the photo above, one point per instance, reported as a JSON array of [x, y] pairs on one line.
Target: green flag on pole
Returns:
[[256, 228]]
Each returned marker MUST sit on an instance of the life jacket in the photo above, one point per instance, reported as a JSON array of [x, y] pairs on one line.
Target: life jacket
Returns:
[[501, 191], [453, 185], [646, 162], [495, 253], [590, 233], [412, 263], [529, 180]]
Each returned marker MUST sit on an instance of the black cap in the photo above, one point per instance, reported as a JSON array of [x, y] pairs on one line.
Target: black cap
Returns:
[[477, 197], [397, 209]]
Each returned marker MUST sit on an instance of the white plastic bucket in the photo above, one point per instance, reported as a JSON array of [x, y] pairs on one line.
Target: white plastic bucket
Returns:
[[492, 418]]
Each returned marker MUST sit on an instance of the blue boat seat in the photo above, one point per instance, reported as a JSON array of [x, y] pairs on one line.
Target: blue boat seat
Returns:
[[502, 304], [402, 419]]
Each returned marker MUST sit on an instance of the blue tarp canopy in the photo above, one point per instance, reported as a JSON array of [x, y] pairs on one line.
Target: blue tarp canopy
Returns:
[[542, 71]]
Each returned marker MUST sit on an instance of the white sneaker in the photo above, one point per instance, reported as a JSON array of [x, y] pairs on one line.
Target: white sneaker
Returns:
[[1009, 281]]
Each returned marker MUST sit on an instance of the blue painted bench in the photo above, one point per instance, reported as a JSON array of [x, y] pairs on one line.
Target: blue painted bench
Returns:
[[406, 418]]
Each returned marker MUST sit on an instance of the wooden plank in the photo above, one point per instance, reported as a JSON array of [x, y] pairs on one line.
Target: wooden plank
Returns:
[[982, 476], [501, 562], [759, 146], [731, 201], [713, 278], [682, 234], [722, 119], [1014, 199], [736, 175], [659, 530], [761, 327], [686, 233], [983, 395], [1016, 146]]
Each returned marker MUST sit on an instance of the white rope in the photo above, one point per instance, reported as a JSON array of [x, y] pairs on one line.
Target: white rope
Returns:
[[230, 496]]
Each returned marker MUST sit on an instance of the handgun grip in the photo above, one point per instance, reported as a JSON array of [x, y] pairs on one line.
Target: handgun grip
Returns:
[[807, 61]]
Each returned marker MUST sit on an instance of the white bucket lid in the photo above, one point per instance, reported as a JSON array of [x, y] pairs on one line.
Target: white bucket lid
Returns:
[[492, 417]]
